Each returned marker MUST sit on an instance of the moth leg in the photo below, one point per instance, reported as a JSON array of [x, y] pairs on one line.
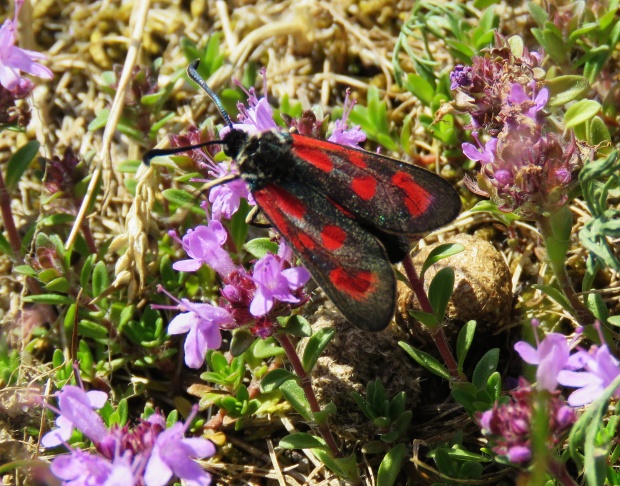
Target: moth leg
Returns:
[[251, 218]]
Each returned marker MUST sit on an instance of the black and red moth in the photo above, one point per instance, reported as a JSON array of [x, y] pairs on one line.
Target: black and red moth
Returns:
[[348, 214]]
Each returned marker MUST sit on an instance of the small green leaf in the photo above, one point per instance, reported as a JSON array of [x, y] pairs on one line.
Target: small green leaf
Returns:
[[100, 121], [101, 280], [420, 88], [301, 440], [19, 162], [241, 340], [440, 291], [563, 89], [25, 270], [259, 247], [555, 295], [463, 342], [426, 360], [295, 395], [267, 348], [485, 368], [426, 318], [315, 346], [274, 379], [296, 325], [439, 253], [60, 284], [390, 465], [52, 299], [179, 197], [581, 112], [538, 13]]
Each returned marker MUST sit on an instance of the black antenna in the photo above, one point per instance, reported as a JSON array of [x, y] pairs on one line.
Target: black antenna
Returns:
[[151, 154], [192, 72]]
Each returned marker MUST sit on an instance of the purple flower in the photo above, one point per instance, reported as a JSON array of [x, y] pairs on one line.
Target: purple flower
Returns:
[[460, 77], [601, 369], [204, 246], [83, 469], [551, 356], [226, 198], [487, 156], [342, 134], [507, 426], [75, 409], [258, 116], [529, 106], [202, 324], [173, 455], [275, 283], [13, 60], [484, 90]]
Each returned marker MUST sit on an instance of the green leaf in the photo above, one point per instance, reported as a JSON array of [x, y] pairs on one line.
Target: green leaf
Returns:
[[614, 320], [25, 270], [315, 346], [294, 395], [19, 162], [538, 13], [259, 247], [420, 88], [439, 253], [390, 465], [267, 348], [485, 368], [60, 284], [301, 440], [5, 246], [581, 112], [426, 318], [345, 467], [440, 291], [52, 299], [426, 360], [274, 379], [599, 133], [179, 197], [555, 295], [241, 340], [100, 121], [101, 279], [463, 342], [563, 89], [296, 325]]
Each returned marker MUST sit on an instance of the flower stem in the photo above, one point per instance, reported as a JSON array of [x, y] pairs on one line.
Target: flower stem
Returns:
[[555, 229], [439, 337], [7, 218], [306, 385]]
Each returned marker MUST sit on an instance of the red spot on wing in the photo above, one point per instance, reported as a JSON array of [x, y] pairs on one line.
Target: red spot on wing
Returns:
[[417, 199], [314, 156], [286, 201], [333, 237], [357, 286], [356, 158], [365, 187], [306, 241]]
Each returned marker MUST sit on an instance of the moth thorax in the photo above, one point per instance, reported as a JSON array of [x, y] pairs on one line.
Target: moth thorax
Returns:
[[266, 158]]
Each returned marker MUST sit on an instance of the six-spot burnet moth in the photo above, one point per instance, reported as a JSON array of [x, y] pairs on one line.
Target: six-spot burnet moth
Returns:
[[348, 214]]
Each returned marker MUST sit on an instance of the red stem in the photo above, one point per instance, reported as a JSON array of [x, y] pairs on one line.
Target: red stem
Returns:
[[417, 285], [7, 218], [306, 385]]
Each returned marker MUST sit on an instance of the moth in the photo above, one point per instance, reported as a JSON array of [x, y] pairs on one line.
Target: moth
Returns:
[[347, 214]]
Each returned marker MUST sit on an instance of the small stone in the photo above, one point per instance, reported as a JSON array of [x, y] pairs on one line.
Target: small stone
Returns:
[[482, 288]]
